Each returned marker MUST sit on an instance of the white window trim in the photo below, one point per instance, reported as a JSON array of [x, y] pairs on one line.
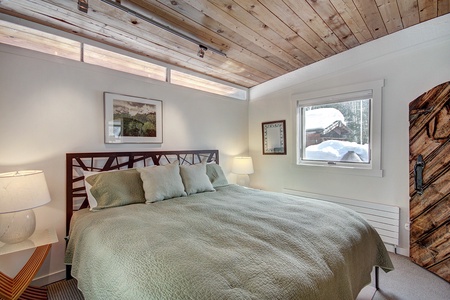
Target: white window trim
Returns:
[[372, 169]]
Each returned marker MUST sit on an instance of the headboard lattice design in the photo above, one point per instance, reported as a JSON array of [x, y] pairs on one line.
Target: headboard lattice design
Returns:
[[76, 163]]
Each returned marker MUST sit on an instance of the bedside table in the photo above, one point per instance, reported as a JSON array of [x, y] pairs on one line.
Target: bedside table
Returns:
[[17, 287]]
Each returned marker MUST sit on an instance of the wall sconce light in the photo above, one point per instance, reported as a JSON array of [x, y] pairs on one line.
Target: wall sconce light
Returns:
[[201, 51], [20, 192], [242, 166]]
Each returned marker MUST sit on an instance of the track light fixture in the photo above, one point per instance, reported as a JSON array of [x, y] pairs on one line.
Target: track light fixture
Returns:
[[83, 6], [201, 51]]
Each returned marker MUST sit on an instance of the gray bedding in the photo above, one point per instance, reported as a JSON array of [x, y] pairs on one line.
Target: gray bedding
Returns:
[[235, 243]]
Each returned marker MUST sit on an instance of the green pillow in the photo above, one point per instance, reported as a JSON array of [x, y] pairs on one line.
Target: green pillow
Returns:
[[116, 188], [216, 175], [195, 179], [162, 182]]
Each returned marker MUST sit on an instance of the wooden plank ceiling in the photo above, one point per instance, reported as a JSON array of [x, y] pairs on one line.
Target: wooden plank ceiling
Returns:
[[262, 39]]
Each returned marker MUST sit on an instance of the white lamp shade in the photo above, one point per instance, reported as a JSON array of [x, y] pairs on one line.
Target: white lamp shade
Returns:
[[22, 190], [242, 165]]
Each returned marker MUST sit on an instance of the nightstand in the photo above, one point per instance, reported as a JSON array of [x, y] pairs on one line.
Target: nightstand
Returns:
[[17, 287]]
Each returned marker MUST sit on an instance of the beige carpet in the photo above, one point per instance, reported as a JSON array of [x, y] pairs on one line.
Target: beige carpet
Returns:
[[64, 290], [407, 282], [410, 282]]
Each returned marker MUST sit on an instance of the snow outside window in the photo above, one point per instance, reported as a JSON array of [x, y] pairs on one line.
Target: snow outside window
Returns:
[[341, 129]]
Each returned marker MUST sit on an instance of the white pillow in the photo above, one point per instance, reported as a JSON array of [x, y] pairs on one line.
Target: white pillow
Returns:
[[195, 179], [162, 182], [90, 197]]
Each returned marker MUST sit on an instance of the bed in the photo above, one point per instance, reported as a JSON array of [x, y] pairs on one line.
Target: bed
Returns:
[[147, 237]]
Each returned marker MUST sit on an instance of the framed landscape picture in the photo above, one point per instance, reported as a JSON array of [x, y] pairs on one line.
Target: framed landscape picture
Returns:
[[274, 137], [131, 119]]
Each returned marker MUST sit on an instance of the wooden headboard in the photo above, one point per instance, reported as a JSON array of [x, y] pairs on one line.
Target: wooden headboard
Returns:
[[76, 163]]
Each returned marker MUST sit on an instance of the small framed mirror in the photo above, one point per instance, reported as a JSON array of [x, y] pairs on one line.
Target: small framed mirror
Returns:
[[274, 137]]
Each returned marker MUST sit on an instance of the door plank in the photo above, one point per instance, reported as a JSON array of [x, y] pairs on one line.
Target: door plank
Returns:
[[433, 218], [431, 196], [432, 249], [423, 144], [437, 164], [442, 269], [426, 107]]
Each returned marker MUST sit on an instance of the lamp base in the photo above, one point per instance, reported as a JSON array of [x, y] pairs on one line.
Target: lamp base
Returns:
[[16, 227], [243, 180]]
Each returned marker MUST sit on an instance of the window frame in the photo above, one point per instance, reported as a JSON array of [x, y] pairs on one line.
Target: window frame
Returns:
[[339, 94], [32, 39], [123, 63], [216, 86]]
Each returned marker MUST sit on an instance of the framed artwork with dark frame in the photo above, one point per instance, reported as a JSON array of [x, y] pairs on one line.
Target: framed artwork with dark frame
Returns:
[[131, 119], [274, 137]]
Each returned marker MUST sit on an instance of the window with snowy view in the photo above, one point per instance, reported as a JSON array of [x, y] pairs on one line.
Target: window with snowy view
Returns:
[[337, 132], [340, 129]]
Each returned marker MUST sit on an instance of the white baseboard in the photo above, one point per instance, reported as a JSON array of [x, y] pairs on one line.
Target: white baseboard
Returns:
[[403, 251], [49, 278], [397, 250]]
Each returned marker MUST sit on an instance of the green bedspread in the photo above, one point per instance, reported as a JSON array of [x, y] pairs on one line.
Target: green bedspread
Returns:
[[235, 243]]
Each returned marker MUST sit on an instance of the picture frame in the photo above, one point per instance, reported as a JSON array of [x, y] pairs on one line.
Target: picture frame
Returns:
[[130, 119], [274, 137]]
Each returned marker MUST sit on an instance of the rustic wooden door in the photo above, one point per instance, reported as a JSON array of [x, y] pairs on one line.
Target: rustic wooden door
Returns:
[[429, 184]]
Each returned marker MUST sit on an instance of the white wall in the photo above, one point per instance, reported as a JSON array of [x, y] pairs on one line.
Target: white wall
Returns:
[[50, 106], [411, 62]]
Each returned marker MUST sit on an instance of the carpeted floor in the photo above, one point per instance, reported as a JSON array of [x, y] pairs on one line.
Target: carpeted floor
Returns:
[[64, 290], [407, 282], [410, 282]]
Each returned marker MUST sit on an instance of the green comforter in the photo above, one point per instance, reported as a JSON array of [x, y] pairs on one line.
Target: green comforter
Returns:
[[235, 243]]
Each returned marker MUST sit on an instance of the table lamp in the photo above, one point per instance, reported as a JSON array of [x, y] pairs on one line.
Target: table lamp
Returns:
[[20, 192], [242, 166]]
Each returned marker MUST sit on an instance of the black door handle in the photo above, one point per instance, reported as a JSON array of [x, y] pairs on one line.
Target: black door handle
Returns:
[[418, 177]]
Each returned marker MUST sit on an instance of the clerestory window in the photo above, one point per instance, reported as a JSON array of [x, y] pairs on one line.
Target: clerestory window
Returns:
[[38, 40]]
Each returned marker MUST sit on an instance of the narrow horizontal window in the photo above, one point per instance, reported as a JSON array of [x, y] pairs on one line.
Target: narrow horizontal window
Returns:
[[198, 83], [32, 39], [108, 59], [37, 40]]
